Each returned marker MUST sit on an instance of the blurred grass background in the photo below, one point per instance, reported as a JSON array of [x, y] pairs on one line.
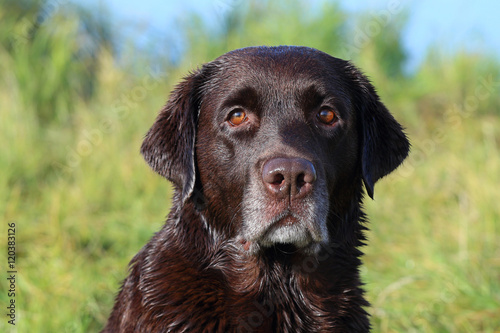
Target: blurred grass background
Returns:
[[74, 109]]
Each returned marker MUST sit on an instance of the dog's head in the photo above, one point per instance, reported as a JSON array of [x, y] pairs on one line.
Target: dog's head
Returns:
[[271, 142]]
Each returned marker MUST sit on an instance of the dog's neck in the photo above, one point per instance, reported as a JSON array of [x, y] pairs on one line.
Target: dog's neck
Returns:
[[275, 282], [289, 265]]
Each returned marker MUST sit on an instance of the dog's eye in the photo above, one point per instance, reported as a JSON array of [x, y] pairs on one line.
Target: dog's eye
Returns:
[[237, 117], [327, 117]]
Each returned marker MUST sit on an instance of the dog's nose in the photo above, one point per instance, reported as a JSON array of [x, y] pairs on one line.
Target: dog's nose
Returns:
[[288, 177]]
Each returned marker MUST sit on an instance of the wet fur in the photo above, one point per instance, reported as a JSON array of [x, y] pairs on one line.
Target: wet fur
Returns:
[[200, 273]]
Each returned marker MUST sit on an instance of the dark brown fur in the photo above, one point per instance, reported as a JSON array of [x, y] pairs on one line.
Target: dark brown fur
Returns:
[[237, 253]]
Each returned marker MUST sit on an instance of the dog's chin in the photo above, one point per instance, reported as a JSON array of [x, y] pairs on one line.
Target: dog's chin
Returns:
[[282, 233], [288, 232], [287, 239], [311, 248]]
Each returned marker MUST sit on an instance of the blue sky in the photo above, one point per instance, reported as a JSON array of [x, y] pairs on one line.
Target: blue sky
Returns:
[[450, 24]]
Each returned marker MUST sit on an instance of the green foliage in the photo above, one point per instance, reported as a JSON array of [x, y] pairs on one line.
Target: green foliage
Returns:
[[84, 201], [267, 23], [55, 47]]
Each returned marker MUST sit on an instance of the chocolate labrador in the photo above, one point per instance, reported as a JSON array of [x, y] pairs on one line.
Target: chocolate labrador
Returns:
[[270, 150]]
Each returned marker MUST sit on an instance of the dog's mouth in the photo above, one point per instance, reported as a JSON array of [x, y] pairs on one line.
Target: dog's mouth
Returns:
[[287, 232], [286, 228]]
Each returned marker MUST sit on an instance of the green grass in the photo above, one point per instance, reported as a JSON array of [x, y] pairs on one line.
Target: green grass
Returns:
[[84, 202], [433, 260]]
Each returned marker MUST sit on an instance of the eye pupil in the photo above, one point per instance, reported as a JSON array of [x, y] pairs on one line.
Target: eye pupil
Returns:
[[237, 117], [327, 117]]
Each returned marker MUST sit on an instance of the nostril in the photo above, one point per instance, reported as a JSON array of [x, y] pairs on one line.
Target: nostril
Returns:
[[277, 179], [301, 180]]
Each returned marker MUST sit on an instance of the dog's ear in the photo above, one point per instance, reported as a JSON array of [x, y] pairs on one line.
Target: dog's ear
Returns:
[[384, 145], [169, 145]]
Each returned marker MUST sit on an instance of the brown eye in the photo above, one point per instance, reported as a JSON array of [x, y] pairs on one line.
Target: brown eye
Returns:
[[237, 117], [327, 117]]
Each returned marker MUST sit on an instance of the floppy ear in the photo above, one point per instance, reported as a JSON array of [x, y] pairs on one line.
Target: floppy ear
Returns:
[[384, 144], [169, 145]]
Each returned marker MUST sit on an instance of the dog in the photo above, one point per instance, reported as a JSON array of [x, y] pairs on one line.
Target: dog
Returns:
[[270, 151]]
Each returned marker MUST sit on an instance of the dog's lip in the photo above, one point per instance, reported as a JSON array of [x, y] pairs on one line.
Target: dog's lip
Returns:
[[285, 218], [285, 226]]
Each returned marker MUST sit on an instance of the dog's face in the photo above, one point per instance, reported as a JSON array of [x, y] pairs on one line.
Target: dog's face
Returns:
[[272, 142]]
